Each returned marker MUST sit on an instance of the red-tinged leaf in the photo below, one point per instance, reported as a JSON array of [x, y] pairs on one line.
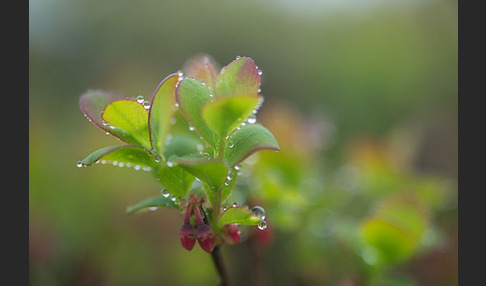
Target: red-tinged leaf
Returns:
[[161, 111], [240, 77], [93, 102], [202, 67]]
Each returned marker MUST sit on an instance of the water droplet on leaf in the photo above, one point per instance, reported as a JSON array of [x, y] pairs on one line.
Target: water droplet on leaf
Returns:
[[262, 225], [165, 193], [258, 212]]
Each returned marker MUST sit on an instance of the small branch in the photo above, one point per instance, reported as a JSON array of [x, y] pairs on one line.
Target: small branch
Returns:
[[220, 266], [256, 263]]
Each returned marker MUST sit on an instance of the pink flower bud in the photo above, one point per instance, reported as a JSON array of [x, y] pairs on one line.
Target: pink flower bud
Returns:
[[206, 237], [231, 234], [188, 236]]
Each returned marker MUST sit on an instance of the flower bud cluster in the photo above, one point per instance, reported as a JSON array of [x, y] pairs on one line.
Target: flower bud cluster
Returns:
[[202, 232]]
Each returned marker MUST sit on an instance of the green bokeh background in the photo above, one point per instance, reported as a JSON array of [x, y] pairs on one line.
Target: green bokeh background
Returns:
[[341, 70]]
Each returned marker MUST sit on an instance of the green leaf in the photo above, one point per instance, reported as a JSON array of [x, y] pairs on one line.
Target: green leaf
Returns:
[[160, 112], [191, 95], [246, 141], [180, 145], [127, 154], [175, 179], [92, 104], [211, 172], [226, 113], [238, 215], [240, 77], [202, 68], [128, 119], [229, 184], [158, 201]]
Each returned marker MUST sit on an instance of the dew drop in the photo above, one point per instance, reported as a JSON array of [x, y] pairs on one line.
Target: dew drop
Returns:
[[260, 72], [121, 164], [153, 208], [140, 99], [237, 167], [235, 204], [259, 90], [146, 104], [79, 164], [173, 199], [115, 163], [103, 162], [146, 168], [251, 120], [199, 147], [170, 164], [165, 193], [229, 178], [238, 57], [262, 225], [191, 128], [258, 212], [173, 120], [158, 158], [137, 167], [231, 145]]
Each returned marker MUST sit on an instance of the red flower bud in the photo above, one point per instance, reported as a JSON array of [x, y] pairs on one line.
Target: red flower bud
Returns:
[[231, 234], [206, 237], [188, 236]]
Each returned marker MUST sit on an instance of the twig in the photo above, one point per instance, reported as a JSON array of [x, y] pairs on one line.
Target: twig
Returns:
[[220, 266]]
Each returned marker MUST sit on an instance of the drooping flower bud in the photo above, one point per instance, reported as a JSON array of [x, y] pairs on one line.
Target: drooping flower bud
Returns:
[[206, 237], [231, 234], [187, 233], [188, 236]]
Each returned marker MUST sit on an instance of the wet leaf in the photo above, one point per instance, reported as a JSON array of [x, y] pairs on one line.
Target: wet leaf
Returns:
[[180, 145], [128, 119], [240, 77], [211, 172], [131, 154], [191, 95], [202, 68], [154, 202], [239, 215], [161, 111], [175, 179], [246, 141], [224, 114], [93, 102]]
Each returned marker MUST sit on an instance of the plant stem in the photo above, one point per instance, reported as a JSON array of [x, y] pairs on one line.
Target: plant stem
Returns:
[[220, 266]]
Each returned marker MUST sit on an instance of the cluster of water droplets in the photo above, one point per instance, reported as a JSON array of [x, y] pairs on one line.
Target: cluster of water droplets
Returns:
[[166, 194], [141, 100], [259, 212], [137, 167], [256, 212]]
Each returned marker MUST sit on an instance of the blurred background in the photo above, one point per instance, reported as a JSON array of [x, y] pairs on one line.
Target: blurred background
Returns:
[[361, 96]]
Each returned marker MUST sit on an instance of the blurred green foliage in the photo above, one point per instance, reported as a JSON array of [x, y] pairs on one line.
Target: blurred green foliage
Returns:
[[362, 100]]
